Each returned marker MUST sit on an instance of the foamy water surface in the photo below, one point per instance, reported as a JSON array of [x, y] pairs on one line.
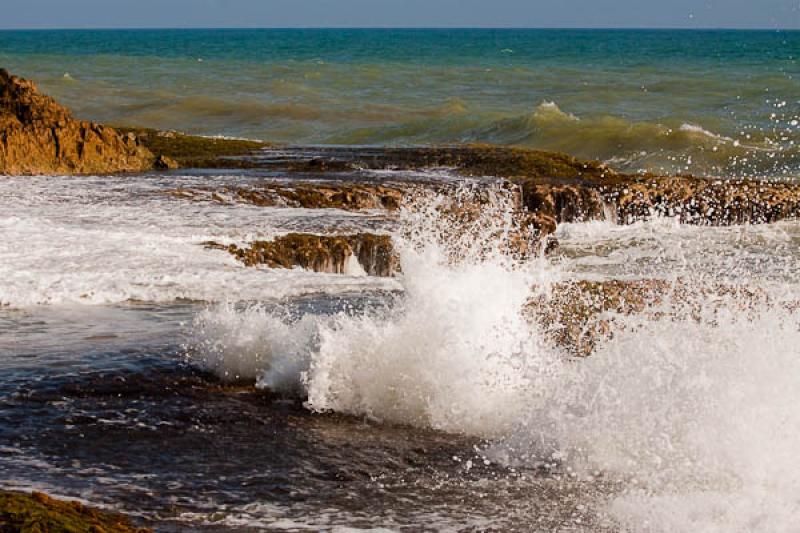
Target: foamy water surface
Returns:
[[430, 399]]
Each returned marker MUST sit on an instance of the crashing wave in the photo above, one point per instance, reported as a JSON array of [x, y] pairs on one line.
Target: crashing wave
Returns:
[[693, 418]]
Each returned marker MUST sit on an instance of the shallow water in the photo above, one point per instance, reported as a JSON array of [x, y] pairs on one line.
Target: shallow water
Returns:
[[130, 354], [101, 399], [121, 420], [706, 102]]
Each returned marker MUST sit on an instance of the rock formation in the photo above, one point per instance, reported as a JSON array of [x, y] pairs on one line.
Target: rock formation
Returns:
[[38, 512], [554, 187], [580, 315], [38, 136], [336, 195], [699, 201], [374, 253]]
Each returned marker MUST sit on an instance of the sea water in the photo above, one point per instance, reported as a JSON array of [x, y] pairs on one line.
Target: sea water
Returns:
[[142, 371], [705, 102]]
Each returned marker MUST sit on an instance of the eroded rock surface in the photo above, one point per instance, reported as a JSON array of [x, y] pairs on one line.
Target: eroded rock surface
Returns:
[[704, 201], [690, 200], [38, 512], [38, 136], [555, 187], [331, 254], [338, 195]]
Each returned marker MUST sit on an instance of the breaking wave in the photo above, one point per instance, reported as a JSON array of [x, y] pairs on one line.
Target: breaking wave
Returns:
[[667, 148], [697, 419], [694, 416], [700, 143]]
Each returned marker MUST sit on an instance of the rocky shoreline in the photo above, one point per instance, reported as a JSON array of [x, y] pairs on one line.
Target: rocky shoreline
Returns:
[[38, 136]]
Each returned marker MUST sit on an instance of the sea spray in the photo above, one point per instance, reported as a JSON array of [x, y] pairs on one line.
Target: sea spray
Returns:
[[254, 343], [458, 354], [690, 410], [698, 418], [453, 352]]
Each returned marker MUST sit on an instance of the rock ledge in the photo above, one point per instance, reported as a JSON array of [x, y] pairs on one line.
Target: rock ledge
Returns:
[[39, 136]]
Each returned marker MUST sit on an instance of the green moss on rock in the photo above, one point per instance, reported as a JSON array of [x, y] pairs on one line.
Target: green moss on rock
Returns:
[[39, 513], [196, 151]]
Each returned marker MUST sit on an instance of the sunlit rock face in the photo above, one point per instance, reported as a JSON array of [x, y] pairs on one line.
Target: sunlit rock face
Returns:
[[360, 254], [347, 196], [38, 136]]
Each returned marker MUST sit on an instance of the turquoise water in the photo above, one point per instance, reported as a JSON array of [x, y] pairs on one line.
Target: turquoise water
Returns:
[[719, 102]]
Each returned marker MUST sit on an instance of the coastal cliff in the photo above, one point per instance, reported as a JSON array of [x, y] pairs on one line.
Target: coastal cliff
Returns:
[[39, 136]]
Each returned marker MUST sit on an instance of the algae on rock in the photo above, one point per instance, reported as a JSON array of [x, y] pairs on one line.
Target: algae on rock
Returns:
[[39, 513]]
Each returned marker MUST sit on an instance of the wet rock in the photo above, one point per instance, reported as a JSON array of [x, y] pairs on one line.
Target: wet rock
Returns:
[[563, 203], [699, 201], [38, 136], [704, 201], [194, 151], [339, 195], [579, 315], [476, 160], [39, 513], [331, 254], [575, 315], [560, 188], [470, 160], [164, 162]]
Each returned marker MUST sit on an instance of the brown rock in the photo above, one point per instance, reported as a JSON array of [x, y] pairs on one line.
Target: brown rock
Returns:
[[704, 201], [164, 162], [563, 203], [347, 196], [330, 254], [580, 315], [38, 512], [38, 136]]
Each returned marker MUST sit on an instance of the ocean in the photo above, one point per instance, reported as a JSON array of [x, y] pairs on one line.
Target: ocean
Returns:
[[703, 102], [148, 372]]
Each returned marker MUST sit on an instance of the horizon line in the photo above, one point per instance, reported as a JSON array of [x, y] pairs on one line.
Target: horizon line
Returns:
[[509, 28]]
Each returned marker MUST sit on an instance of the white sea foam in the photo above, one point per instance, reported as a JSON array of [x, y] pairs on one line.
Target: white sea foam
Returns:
[[664, 248], [551, 110], [695, 419], [693, 128], [455, 356], [254, 343], [452, 354], [93, 240]]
